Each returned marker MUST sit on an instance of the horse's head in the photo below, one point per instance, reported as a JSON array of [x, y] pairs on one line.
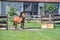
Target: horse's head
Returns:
[[22, 14]]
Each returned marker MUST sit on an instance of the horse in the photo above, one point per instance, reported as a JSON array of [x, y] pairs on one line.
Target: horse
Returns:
[[19, 19]]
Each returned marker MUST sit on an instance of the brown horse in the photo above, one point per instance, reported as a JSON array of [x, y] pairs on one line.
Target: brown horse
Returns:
[[19, 19]]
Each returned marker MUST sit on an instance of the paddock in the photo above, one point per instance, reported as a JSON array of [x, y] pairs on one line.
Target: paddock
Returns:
[[31, 23], [33, 12]]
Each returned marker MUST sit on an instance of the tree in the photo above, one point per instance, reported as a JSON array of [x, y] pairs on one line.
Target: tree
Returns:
[[50, 8], [12, 11]]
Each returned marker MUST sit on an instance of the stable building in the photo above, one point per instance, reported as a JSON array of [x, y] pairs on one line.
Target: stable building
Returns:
[[30, 7]]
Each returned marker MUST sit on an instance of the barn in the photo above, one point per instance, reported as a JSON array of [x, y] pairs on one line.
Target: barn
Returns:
[[30, 7]]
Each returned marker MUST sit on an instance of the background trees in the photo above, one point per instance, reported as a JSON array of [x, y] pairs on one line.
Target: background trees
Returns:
[[12, 11], [49, 8]]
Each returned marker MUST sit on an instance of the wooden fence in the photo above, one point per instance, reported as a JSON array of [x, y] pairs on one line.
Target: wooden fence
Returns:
[[4, 21]]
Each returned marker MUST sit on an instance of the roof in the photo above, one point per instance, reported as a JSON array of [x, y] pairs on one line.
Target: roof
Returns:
[[34, 0]]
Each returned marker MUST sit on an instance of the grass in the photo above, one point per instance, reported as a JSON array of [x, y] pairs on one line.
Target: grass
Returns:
[[27, 25], [41, 34]]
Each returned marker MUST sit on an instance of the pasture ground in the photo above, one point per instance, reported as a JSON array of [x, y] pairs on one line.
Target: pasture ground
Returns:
[[41, 34]]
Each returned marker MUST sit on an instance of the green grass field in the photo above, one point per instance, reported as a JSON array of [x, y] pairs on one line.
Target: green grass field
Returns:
[[41, 34], [27, 25]]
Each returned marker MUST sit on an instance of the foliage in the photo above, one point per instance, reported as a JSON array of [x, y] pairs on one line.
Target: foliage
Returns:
[[12, 11], [49, 7], [11, 20]]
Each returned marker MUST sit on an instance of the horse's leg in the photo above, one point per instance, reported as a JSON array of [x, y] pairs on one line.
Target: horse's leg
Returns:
[[22, 25], [15, 26]]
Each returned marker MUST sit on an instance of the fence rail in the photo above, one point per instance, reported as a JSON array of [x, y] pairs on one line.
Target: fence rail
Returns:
[[55, 18], [4, 21], [33, 17]]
